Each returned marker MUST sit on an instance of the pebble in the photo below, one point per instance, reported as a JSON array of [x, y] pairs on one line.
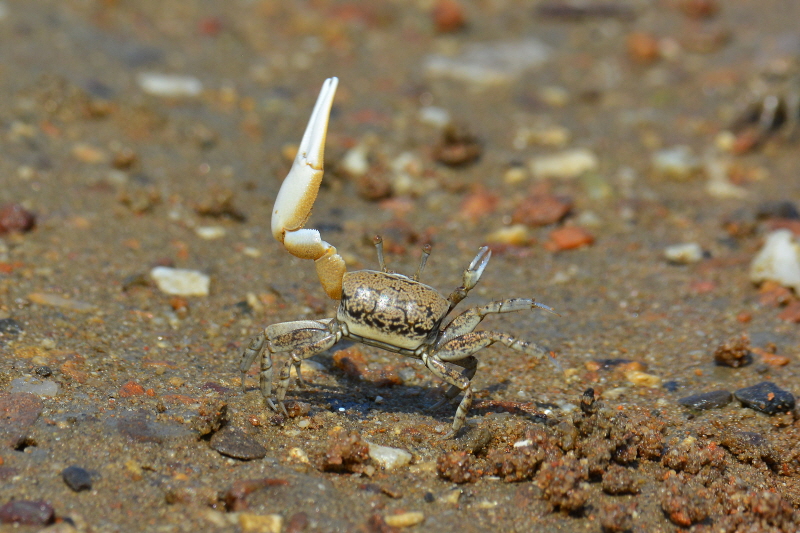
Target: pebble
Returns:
[[18, 411], [516, 235], [486, 64], [683, 254], [387, 457], [140, 426], [180, 281], [44, 388], [408, 519], [27, 512], [766, 397], [15, 218], [568, 238], [643, 379], [210, 233], [9, 328], [77, 478], [568, 164], [169, 85], [677, 162], [448, 16], [54, 300], [707, 400], [542, 210], [356, 160], [234, 442], [778, 260], [437, 117], [255, 523]]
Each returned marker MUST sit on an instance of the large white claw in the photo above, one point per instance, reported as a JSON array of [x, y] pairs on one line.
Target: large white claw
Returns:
[[298, 193]]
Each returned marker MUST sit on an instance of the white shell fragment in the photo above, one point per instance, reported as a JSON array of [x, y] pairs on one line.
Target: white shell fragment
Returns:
[[778, 260], [44, 388], [387, 457], [489, 63], [683, 254], [568, 164], [180, 281], [676, 162], [169, 85]]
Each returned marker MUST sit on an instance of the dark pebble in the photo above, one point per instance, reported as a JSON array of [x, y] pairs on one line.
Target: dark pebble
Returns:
[[9, 327], [707, 400], [44, 371], [777, 209], [29, 512], [766, 397], [15, 218], [234, 442], [77, 478]]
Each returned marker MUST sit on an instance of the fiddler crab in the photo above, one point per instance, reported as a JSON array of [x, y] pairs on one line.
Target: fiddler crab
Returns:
[[376, 307]]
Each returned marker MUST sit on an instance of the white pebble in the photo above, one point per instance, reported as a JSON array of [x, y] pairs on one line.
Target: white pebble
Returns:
[[683, 254], [778, 260], [404, 519], [45, 388], [437, 117], [169, 85], [389, 458], [180, 281], [676, 162], [564, 165], [210, 233], [355, 162], [489, 63]]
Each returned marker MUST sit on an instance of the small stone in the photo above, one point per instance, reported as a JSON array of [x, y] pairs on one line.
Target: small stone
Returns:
[[437, 117], [568, 164], [734, 352], [210, 233], [15, 218], [448, 16], [181, 282], [254, 523], [87, 153], [166, 85], [643, 379], [677, 162], [542, 210], [27, 512], [131, 388], [387, 457], [458, 147], [707, 400], [643, 47], [486, 64], [766, 397], [77, 478], [404, 519], [234, 442], [568, 238], [54, 300], [683, 254], [778, 260], [516, 235], [44, 388], [18, 412], [9, 328]]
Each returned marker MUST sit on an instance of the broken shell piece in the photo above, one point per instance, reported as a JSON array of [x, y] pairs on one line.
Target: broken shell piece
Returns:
[[683, 254], [778, 260]]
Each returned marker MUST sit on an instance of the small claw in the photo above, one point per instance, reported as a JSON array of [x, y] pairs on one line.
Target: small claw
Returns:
[[299, 190], [272, 404], [545, 308], [283, 409], [473, 273]]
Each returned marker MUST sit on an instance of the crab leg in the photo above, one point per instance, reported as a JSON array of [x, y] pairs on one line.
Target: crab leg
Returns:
[[298, 193]]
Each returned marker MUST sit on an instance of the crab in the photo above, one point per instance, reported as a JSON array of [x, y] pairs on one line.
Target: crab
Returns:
[[378, 308]]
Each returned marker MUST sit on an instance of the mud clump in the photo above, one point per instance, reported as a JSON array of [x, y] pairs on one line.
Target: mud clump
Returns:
[[561, 482], [347, 453], [734, 352], [684, 501]]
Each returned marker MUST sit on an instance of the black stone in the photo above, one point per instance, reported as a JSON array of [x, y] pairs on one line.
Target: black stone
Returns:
[[28, 512], [707, 400], [77, 478], [234, 442], [9, 327], [44, 371], [766, 397]]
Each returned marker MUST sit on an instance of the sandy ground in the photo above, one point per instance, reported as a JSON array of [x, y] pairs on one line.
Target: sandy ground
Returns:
[[140, 390]]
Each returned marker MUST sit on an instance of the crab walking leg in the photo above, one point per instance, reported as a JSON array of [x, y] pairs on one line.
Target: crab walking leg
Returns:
[[462, 348], [461, 382], [278, 338], [298, 193], [296, 357], [469, 319], [470, 366]]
